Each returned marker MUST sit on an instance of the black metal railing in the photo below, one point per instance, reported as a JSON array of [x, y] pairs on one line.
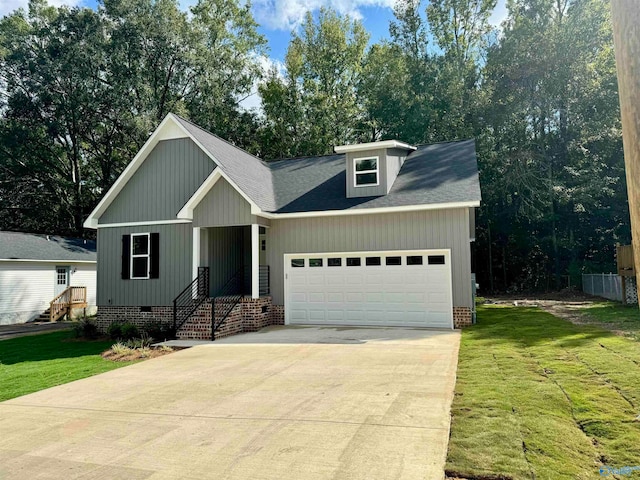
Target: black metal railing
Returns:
[[190, 299], [264, 285], [226, 299]]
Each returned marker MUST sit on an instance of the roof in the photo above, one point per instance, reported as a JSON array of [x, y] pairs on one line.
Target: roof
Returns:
[[441, 173], [30, 246], [438, 173], [249, 173]]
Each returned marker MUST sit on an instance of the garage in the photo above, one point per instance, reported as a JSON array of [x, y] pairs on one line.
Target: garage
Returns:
[[410, 288]]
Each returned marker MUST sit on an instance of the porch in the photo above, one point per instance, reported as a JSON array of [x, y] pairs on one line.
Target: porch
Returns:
[[235, 257]]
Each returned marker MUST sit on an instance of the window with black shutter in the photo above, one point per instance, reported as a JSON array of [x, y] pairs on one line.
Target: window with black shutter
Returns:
[[140, 256]]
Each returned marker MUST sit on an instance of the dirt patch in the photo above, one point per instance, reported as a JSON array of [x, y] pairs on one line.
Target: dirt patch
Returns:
[[135, 354], [568, 309]]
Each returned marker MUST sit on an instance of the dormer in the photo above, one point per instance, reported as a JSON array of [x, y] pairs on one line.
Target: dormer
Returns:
[[373, 167]]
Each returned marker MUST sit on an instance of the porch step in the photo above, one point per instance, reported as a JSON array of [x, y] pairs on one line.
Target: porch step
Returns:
[[43, 317], [198, 327]]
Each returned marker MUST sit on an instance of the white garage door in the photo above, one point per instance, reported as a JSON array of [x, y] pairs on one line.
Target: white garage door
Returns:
[[405, 288]]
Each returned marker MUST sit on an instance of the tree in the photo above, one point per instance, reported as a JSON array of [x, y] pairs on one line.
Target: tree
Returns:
[[323, 64], [84, 89]]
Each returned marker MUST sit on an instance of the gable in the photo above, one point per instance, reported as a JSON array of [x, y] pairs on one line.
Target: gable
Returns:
[[162, 184], [222, 205]]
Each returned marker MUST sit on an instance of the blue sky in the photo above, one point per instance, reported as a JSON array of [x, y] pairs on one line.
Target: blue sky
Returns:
[[277, 18], [276, 24]]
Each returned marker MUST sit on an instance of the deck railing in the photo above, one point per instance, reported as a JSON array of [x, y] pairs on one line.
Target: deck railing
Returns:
[[72, 297]]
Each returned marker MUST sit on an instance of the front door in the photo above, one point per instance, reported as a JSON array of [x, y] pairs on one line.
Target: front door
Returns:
[[62, 280]]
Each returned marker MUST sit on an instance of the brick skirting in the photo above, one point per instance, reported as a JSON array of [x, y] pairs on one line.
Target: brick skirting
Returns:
[[462, 317], [249, 315]]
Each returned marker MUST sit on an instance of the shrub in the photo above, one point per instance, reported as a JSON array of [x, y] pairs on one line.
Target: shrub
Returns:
[[128, 331], [161, 331], [144, 341], [120, 349], [114, 331], [86, 328]]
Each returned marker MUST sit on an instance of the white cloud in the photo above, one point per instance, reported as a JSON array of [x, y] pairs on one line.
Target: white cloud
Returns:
[[8, 6], [288, 14], [499, 13], [253, 101]]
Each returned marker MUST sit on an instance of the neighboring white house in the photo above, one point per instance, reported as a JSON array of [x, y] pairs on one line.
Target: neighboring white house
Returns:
[[36, 268]]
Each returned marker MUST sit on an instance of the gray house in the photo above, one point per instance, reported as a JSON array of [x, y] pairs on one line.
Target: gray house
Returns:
[[198, 232]]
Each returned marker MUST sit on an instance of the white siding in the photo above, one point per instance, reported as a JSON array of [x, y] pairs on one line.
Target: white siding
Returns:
[[85, 276], [26, 288]]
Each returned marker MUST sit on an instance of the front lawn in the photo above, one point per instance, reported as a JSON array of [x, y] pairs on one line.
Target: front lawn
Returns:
[[32, 363], [540, 397]]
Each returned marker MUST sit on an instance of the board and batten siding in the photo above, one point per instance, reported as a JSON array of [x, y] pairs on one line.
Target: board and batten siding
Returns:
[[395, 158], [431, 229], [228, 250], [222, 206], [176, 266], [26, 288], [161, 186]]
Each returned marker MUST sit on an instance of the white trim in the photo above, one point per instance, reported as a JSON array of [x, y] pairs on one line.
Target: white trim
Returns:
[[362, 254], [373, 146], [371, 211], [140, 255], [196, 250], [45, 261], [186, 212], [255, 260], [363, 172], [141, 224]]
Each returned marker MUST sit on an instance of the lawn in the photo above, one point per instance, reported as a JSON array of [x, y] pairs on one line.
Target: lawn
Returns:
[[540, 397], [29, 364], [613, 316]]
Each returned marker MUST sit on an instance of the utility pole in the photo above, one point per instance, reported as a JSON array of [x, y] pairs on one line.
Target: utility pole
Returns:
[[626, 36]]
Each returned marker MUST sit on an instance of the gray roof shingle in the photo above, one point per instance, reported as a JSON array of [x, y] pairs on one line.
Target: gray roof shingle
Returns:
[[438, 173], [30, 246]]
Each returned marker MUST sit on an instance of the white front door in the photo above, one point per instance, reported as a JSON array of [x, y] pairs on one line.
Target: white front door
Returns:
[[62, 280], [384, 288]]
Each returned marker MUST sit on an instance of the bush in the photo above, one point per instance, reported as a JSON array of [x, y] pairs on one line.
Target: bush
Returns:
[[114, 331], [128, 331], [144, 341], [86, 328], [161, 331]]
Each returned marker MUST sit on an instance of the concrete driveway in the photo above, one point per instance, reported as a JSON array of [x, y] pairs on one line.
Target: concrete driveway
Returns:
[[283, 403]]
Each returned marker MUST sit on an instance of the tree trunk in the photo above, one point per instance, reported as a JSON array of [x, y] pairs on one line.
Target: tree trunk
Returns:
[[626, 36]]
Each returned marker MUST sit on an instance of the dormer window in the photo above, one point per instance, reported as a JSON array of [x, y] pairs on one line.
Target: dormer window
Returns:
[[366, 172]]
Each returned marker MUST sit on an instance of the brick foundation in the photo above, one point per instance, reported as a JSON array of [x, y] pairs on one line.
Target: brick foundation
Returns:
[[107, 315], [462, 317], [250, 315]]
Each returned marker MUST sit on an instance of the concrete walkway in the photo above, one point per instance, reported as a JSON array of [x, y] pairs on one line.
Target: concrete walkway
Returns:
[[285, 403]]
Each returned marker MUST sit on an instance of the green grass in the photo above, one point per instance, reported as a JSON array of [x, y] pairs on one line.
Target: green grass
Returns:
[[539, 397], [29, 364], [614, 316]]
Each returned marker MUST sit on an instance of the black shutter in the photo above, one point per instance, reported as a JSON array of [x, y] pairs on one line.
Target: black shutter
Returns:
[[126, 256], [154, 256]]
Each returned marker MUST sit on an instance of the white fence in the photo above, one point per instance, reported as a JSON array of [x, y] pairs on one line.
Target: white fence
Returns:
[[607, 285]]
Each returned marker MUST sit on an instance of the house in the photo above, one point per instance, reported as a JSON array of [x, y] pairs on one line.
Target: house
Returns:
[[36, 270], [375, 234]]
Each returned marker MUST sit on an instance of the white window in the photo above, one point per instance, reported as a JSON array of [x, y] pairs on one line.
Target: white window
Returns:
[[140, 255], [365, 172]]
